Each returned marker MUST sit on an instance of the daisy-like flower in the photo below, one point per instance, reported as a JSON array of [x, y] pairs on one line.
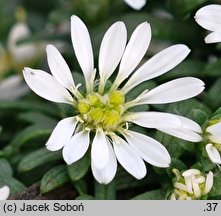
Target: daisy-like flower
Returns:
[[191, 185], [103, 115], [136, 4], [209, 17], [4, 193], [17, 55], [214, 142]]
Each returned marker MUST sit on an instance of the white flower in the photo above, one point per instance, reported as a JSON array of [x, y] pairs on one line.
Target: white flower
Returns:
[[12, 88], [16, 56], [209, 17], [136, 4], [214, 145], [191, 185], [105, 113], [4, 193], [23, 52]]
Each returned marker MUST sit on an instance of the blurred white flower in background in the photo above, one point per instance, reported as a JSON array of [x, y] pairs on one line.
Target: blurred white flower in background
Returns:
[[209, 17], [15, 57], [191, 185], [4, 192], [136, 4], [12, 88], [16, 54], [103, 115], [24, 52]]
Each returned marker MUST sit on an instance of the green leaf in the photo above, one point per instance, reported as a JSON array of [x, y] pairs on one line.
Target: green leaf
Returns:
[[151, 195], [81, 186], [37, 118], [29, 105], [217, 112], [216, 189], [105, 192], [85, 197], [212, 69], [158, 27], [54, 178], [200, 116], [187, 68], [210, 98], [37, 158], [124, 180], [176, 164], [175, 146], [5, 168], [26, 135], [181, 8], [79, 169], [188, 108], [207, 164], [204, 164], [14, 185]]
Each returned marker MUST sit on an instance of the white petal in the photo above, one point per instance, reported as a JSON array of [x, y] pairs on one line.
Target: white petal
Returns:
[[188, 124], [215, 134], [155, 119], [46, 86], [172, 124], [129, 158], [209, 17], [12, 88], [196, 187], [182, 133], [61, 134], [59, 67], [135, 50], [149, 149], [188, 183], [191, 172], [173, 91], [181, 186], [158, 65], [111, 50], [213, 154], [200, 179], [105, 175], [209, 182], [136, 4], [4, 193], [214, 37], [82, 46], [99, 150], [76, 147]]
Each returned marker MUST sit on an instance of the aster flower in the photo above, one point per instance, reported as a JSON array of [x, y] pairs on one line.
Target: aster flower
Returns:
[[136, 4], [103, 115], [191, 185], [209, 17], [17, 55], [4, 193], [214, 142]]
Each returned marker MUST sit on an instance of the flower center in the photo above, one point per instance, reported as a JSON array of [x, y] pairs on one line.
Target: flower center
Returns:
[[101, 111]]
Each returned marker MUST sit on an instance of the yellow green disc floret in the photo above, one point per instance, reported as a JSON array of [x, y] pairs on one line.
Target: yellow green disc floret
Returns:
[[101, 111]]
